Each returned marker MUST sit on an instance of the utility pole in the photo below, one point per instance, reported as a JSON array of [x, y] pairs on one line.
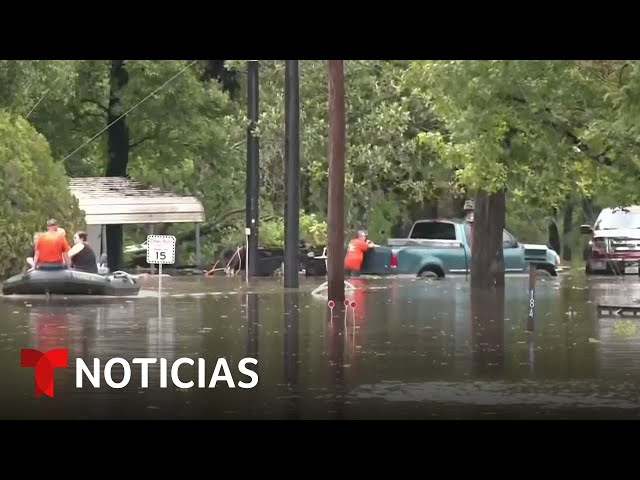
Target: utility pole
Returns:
[[292, 175], [253, 168], [335, 246]]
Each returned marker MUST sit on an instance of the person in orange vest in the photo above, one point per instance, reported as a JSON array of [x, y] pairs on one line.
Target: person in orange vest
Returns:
[[355, 253], [51, 249]]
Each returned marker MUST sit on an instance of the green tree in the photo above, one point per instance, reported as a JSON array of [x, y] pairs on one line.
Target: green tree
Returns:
[[384, 161], [178, 138], [516, 127], [33, 188]]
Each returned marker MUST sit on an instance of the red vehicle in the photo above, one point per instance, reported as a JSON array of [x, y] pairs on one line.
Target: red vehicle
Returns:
[[614, 247]]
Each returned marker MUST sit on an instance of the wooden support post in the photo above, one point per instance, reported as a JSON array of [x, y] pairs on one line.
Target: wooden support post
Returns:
[[335, 244]]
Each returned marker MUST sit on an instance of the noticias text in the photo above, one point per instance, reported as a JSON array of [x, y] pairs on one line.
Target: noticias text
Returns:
[[179, 373]]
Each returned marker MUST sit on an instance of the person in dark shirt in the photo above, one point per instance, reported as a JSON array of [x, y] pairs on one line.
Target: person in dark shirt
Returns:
[[81, 255]]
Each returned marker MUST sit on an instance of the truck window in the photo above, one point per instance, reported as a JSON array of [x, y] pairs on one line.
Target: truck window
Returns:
[[433, 231]]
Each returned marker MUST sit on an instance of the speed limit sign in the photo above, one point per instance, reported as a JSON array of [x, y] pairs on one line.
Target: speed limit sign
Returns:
[[161, 249]]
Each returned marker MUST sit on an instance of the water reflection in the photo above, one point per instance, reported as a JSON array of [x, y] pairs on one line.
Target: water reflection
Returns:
[[253, 322], [337, 335], [411, 349], [358, 301], [161, 333], [356, 317], [291, 324], [51, 330], [487, 330]]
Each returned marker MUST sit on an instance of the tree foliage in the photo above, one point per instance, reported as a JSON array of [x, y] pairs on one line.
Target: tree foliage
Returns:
[[509, 125], [33, 188], [419, 133], [544, 131], [384, 160]]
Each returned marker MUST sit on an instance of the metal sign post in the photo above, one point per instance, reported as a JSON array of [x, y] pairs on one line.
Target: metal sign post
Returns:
[[161, 250]]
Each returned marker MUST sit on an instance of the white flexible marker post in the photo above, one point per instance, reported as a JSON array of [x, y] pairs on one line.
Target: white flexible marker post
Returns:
[[353, 311], [346, 312], [247, 232]]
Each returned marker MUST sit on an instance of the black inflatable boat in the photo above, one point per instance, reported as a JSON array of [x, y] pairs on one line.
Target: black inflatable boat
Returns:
[[70, 282]]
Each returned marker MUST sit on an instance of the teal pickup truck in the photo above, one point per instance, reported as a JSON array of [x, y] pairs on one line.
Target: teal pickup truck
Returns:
[[442, 247]]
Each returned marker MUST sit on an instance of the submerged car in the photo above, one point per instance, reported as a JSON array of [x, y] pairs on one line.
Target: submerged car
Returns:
[[614, 247]]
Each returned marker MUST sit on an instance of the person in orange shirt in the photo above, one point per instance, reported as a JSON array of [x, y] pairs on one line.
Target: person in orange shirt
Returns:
[[51, 249], [355, 253]]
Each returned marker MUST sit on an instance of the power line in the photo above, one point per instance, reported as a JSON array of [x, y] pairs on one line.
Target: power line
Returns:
[[37, 103], [131, 109]]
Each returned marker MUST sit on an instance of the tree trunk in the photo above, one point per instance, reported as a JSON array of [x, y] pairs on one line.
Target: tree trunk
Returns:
[[487, 257], [458, 207], [589, 210], [118, 154], [567, 229], [305, 193], [554, 235]]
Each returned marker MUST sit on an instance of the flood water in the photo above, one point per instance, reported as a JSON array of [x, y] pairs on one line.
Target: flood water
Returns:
[[412, 349]]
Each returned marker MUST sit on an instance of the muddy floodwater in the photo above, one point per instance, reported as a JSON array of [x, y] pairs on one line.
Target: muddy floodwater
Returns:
[[411, 349]]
